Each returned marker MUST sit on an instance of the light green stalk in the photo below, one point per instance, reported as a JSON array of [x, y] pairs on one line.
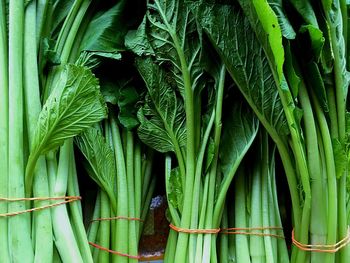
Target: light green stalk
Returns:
[[64, 236], [42, 219], [104, 229], [19, 226], [4, 111], [122, 206], [76, 216]]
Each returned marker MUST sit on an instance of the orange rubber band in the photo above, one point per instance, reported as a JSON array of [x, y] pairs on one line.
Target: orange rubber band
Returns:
[[117, 218], [67, 199], [322, 248], [194, 231], [113, 252], [248, 231]]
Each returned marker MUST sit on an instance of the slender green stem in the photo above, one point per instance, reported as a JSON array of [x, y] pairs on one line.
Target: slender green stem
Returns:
[[42, 219], [76, 215], [318, 191], [197, 185], [138, 185], [64, 236], [133, 242], [241, 241], [92, 231], [331, 177], [4, 136], [19, 226], [122, 206], [104, 228]]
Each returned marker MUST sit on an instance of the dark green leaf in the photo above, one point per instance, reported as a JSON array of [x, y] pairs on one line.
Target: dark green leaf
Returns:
[[286, 28], [106, 31], [162, 118], [246, 62]]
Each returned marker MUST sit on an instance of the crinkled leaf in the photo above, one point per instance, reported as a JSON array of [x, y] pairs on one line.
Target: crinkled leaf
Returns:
[[137, 41], [173, 35], [246, 62], [101, 159], [162, 118], [340, 158], [175, 195], [106, 31], [74, 105]]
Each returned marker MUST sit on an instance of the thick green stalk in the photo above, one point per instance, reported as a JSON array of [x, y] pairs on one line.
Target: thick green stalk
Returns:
[[331, 177], [213, 220], [4, 111], [19, 226], [42, 22], [266, 206], [241, 241], [122, 206], [182, 244], [64, 236], [257, 247], [132, 237], [197, 184], [138, 184], [318, 193], [42, 219], [223, 240], [341, 92], [104, 229], [93, 228], [76, 214]]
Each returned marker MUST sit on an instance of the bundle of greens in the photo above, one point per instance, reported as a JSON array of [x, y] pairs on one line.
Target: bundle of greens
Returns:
[[251, 226], [289, 61], [182, 116]]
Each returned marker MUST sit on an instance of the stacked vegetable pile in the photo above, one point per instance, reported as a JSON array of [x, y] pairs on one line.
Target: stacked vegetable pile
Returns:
[[227, 100]]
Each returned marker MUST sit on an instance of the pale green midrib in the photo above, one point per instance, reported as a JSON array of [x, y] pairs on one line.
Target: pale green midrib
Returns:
[[19, 226], [4, 256]]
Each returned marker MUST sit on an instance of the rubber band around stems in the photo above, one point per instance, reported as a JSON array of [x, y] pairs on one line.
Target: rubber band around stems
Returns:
[[67, 199], [250, 231], [110, 250], [322, 248], [195, 231]]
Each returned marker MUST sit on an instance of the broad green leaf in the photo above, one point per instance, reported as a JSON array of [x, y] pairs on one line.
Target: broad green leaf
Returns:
[[101, 160], [175, 195], [239, 130], [74, 105], [162, 118], [246, 62], [106, 31], [286, 27], [265, 24]]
